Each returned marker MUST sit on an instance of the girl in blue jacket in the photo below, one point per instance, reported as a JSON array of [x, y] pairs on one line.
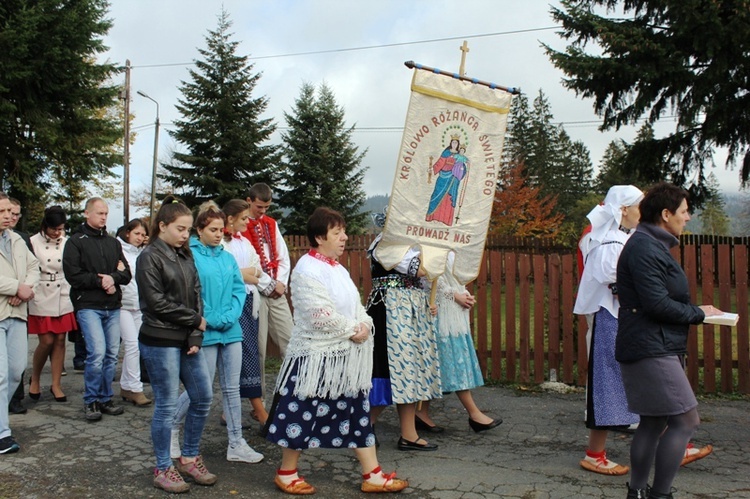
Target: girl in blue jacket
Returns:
[[223, 293]]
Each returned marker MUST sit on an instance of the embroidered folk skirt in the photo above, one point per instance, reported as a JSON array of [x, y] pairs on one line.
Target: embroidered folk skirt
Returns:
[[250, 373], [300, 423], [410, 356], [606, 403]]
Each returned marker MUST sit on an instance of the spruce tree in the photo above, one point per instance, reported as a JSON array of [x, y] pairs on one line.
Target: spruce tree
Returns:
[[552, 161], [221, 130], [686, 58], [713, 217], [321, 165], [58, 131], [631, 163]]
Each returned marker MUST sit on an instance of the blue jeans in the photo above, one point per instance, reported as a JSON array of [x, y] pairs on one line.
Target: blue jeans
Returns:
[[79, 347], [14, 350], [101, 330], [229, 360], [167, 366]]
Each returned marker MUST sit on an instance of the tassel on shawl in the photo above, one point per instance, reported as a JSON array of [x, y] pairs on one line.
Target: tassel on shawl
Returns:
[[330, 374]]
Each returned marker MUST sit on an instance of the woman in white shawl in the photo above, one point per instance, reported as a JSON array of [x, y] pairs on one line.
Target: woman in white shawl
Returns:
[[606, 405], [323, 385]]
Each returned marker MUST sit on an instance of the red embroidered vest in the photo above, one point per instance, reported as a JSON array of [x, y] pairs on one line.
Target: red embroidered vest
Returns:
[[263, 230]]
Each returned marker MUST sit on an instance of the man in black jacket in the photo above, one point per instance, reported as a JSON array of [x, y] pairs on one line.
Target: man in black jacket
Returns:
[[96, 268]]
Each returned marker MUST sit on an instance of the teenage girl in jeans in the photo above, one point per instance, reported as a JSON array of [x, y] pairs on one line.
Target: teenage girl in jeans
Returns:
[[224, 298], [170, 340]]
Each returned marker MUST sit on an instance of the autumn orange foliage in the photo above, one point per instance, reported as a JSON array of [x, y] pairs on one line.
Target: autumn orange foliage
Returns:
[[519, 211]]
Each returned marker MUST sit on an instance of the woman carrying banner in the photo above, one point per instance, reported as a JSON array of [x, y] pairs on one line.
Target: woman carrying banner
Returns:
[[406, 365], [322, 389], [606, 406]]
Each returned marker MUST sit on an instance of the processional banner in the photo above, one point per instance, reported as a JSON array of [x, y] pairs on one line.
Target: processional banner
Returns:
[[446, 175]]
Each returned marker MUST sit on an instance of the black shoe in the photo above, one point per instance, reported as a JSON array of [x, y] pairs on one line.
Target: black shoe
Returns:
[[404, 444], [656, 495], [637, 493], [477, 427], [79, 369], [16, 407], [110, 408], [8, 445], [93, 411], [58, 399], [34, 396], [421, 425]]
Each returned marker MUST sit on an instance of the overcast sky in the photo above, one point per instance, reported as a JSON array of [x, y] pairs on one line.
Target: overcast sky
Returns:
[[161, 38]]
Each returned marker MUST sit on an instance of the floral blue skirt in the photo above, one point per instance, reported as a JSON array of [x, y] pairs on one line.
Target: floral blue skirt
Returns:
[[459, 366], [300, 423], [250, 372]]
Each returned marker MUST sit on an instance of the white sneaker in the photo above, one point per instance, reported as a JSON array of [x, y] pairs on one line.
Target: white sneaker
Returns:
[[243, 453], [174, 445]]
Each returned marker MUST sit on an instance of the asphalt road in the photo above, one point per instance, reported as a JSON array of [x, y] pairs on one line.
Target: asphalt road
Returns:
[[533, 454]]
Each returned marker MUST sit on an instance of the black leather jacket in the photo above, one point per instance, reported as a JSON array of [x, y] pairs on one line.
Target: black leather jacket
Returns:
[[88, 253], [169, 293], [655, 309]]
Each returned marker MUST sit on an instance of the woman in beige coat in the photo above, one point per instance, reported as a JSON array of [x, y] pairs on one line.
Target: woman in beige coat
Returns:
[[51, 311]]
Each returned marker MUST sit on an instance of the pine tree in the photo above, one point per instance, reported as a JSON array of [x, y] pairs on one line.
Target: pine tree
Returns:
[[321, 165], [553, 162], [713, 217], [648, 63], [55, 99], [613, 169], [221, 128]]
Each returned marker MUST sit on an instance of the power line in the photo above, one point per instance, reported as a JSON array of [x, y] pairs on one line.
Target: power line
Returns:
[[366, 47]]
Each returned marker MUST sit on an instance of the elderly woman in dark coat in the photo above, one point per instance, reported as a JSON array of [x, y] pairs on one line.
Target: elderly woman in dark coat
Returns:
[[654, 319]]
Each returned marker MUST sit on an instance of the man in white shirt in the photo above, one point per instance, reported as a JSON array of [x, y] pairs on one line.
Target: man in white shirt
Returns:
[[263, 232]]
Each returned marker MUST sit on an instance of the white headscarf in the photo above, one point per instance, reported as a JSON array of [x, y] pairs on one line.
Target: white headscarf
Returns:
[[608, 216]]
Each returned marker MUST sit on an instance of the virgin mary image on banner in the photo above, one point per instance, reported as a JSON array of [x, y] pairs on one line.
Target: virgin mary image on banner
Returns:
[[449, 170]]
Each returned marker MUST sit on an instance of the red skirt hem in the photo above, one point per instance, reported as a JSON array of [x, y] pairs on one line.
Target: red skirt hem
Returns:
[[55, 325]]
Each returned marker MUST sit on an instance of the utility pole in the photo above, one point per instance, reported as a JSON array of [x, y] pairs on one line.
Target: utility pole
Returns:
[[126, 148], [156, 154]]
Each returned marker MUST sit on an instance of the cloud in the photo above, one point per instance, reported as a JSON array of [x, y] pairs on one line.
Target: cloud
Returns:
[[372, 85]]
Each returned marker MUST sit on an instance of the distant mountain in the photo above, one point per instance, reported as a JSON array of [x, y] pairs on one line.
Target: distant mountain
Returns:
[[375, 204], [737, 208]]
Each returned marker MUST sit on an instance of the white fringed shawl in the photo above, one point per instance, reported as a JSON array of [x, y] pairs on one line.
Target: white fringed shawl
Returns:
[[327, 308]]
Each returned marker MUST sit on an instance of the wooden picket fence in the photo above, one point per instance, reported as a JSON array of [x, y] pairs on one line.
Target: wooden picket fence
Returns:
[[523, 323]]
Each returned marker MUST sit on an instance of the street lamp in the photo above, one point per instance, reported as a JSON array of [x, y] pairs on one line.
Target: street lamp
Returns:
[[156, 154]]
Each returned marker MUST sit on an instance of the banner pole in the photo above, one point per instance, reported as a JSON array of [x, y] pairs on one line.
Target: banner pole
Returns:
[[511, 90]]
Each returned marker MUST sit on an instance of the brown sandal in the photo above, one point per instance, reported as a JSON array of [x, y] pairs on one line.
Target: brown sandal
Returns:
[[297, 487], [391, 484]]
